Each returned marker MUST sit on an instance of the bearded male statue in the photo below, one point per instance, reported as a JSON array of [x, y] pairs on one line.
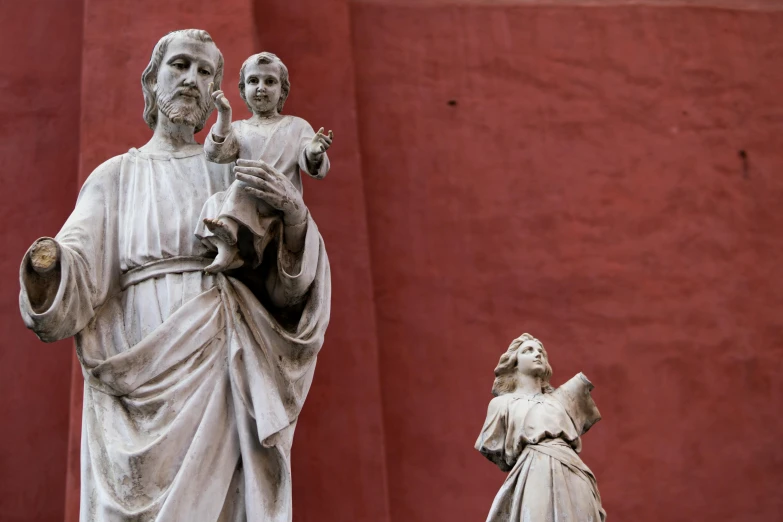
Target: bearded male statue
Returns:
[[193, 382]]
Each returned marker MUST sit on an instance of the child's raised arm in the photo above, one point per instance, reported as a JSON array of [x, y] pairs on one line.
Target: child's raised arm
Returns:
[[223, 125]]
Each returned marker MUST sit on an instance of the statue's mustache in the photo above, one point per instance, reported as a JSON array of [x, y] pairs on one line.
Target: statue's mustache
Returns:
[[188, 92]]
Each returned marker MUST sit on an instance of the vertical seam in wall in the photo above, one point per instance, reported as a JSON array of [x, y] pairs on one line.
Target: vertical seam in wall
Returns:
[[367, 218], [362, 170]]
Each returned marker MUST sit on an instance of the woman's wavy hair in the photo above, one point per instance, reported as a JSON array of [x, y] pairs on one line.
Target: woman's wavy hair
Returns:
[[150, 75], [505, 371], [264, 58]]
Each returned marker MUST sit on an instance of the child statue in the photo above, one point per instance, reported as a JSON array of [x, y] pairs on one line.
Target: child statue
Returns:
[[533, 432], [286, 143]]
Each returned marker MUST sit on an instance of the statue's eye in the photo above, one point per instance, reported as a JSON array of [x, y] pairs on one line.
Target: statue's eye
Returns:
[[252, 81], [179, 65], [204, 72], [271, 81]]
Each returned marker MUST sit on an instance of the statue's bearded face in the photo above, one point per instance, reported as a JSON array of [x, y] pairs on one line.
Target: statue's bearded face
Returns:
[[182, 87]]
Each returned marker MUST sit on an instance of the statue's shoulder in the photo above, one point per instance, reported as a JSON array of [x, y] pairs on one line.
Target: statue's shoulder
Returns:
[[295, 122], [574, 395], [106, 173], [500, 403]]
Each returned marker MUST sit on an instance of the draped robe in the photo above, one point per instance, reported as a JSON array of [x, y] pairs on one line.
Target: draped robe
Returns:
[[193, 382], [536, 440]]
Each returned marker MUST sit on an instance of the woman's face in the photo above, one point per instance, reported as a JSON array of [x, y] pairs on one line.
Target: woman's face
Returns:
[[531, 359]]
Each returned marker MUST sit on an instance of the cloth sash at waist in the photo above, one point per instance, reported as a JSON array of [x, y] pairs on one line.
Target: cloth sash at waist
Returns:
[[561, 451], [161, 267], [191, 328]]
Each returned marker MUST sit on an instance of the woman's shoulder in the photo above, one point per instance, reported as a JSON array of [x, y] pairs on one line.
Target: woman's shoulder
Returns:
[[574, 396], [500, 402]]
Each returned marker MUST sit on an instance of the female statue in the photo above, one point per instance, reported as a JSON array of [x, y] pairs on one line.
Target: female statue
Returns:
[[533, 432]]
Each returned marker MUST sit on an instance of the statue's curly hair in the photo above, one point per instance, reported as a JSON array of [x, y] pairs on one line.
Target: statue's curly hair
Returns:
[[505, 381], [285, 83], [150, 74]]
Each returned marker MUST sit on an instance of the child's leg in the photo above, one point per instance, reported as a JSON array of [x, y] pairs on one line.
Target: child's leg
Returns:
[[224, 228], [227, 258]]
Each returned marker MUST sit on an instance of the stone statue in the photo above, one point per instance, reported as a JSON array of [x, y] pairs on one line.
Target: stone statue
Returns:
[[533, 432], [286, 143], [193, 380]]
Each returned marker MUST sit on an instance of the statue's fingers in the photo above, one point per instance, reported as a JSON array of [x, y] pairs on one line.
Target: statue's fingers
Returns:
[[331, 135], [250, 163], [269, 197], [260, 194], [211, 86], [271, 171], [254, 177]]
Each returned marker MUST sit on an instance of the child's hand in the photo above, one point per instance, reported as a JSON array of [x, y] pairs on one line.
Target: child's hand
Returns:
[[219, 99], [223, 125], [318, 145]]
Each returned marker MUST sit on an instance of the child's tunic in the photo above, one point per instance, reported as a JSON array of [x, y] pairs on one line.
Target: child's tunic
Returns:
[[281, 145]]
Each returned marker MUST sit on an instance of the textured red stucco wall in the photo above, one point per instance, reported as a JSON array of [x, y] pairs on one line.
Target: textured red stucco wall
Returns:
[[575, 172], [39, 150], [586, 187]]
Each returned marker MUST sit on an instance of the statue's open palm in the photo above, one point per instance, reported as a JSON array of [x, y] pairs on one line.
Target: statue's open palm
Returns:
[[319, 144]]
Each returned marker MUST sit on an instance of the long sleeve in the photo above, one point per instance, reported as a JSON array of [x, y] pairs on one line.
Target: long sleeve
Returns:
[[306, 134], [89, 267], [292, 274], [225, 151], [491, 441]]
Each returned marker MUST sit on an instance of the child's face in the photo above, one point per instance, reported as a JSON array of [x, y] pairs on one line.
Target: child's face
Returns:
[[262, 87]]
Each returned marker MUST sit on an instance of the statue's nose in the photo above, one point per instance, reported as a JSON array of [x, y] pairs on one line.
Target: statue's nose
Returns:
[[190, 77]]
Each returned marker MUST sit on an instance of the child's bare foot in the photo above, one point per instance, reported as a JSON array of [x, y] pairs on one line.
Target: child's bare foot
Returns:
[[227, 258], [221, 230]]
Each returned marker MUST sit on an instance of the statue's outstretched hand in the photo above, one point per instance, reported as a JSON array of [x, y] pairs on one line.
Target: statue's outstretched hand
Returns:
[[318, 145]]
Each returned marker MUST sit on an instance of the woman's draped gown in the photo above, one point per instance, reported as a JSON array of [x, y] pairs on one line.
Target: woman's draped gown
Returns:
[[536, 439]]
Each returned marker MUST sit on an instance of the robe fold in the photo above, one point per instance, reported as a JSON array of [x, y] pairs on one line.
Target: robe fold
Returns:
[[192, 385], [537, 439]]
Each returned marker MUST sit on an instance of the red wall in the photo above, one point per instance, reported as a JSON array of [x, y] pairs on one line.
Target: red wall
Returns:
[[586, 187], [584, 184], [39, 149]]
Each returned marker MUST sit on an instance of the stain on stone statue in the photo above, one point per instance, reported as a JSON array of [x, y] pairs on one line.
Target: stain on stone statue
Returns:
[[193, 379]]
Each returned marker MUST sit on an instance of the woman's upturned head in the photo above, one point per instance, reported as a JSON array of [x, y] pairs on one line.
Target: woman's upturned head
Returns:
[[526, 356]]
